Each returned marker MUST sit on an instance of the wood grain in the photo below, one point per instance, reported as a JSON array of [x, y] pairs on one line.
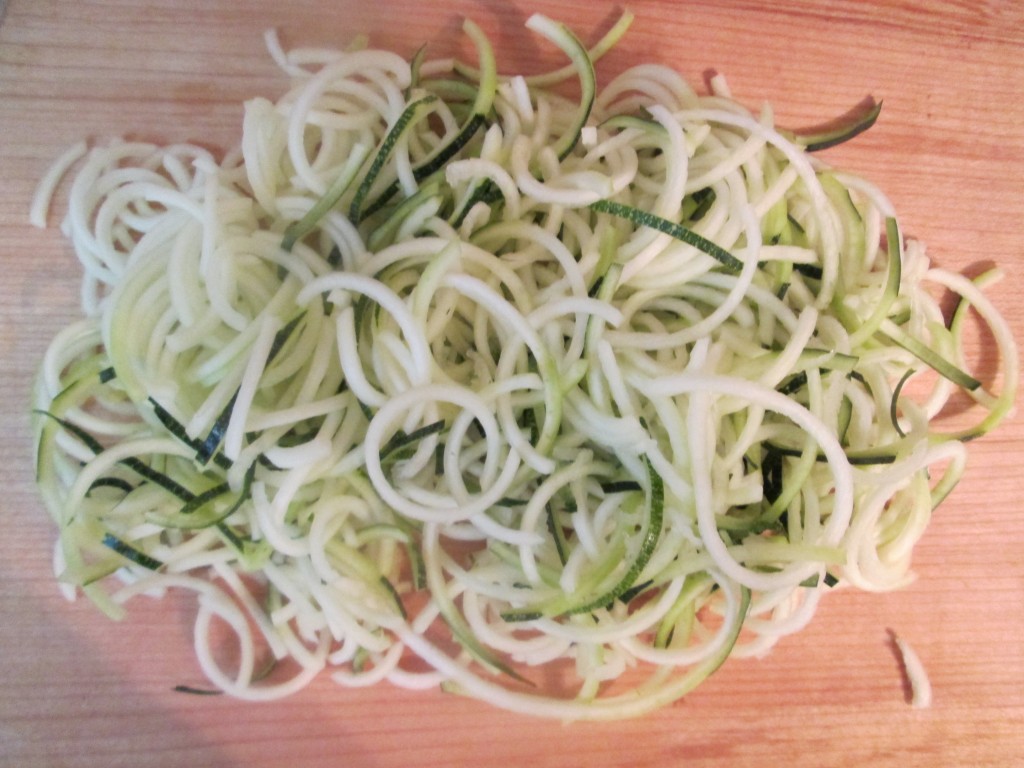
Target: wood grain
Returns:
[[948, 150]]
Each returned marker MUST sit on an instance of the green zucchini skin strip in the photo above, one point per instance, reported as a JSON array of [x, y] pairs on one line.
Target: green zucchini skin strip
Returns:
[[46, 422], [189, 515], [488, 87], [1004, 403], [894, 272], [621, 486], [139, 467], [192, 502], [486, 191], [131, 553], [858, 458], [415, 65], [894, 404], [562, 36], [647, 546], [177, 429], [409, 114], [481, 104], [197, 691], [557, 534], [112, 482], [384, 234], [564, 606], [595, 53], [450, 150], [713, 664], [843, 131], [461, 631], [331, 198], [679, 232], [207, 448], [891, 333], [486, 91], [400, 440]]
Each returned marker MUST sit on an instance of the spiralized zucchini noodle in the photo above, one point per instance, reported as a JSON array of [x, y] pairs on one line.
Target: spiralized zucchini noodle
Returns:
[[551, 395]]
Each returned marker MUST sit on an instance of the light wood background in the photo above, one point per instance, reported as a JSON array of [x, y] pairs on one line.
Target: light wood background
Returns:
[[77, 690]]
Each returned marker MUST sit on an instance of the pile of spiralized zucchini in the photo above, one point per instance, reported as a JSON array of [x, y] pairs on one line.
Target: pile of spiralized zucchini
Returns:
[[550, 395]]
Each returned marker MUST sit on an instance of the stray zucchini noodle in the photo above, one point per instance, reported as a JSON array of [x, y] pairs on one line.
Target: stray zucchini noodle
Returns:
[[448, 378]]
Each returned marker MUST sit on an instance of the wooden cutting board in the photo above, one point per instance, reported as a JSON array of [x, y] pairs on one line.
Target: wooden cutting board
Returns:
[[78, 690]]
